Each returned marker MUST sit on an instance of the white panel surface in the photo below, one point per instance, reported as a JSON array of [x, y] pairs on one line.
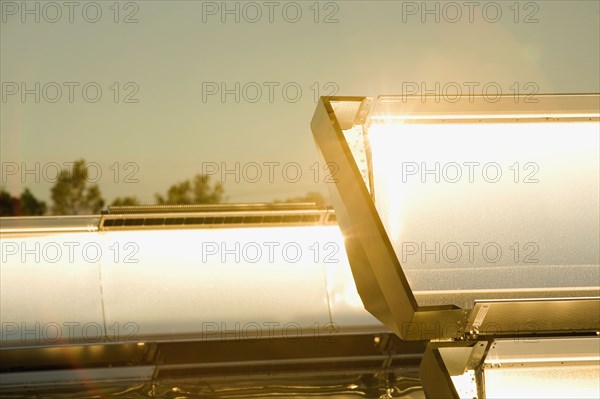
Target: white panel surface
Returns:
[[250, 281], [50, 288], [215, 283], [491, 206]]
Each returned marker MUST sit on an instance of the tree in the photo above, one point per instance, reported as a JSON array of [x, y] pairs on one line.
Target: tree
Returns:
[[312, 196], [125, 201], [73, 195], [25, 205], [7, 203], [204, 194], [197, 191], [30, 205]]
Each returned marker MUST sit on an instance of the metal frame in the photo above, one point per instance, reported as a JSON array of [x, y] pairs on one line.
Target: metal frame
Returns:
[[303, 361], [379, 277], [157, 217], [442, 360], [478, 109]]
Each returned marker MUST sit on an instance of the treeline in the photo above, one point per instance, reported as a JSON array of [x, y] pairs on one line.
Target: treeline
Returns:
[[73, 194]]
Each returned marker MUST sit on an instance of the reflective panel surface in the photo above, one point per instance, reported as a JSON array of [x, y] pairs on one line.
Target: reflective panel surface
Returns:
[[499, 199]]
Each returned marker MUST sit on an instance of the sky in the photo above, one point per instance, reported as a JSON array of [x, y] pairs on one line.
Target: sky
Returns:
[[155, 92]]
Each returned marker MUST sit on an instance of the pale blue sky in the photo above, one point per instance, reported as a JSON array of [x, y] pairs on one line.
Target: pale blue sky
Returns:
[[170, 52]]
